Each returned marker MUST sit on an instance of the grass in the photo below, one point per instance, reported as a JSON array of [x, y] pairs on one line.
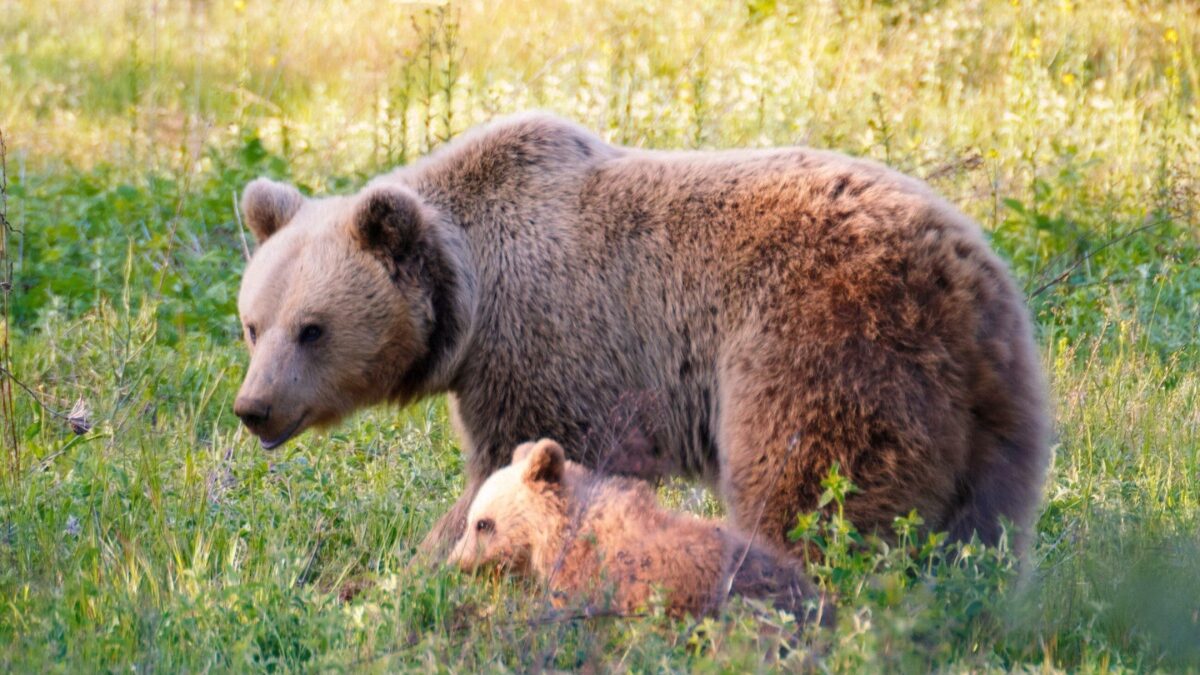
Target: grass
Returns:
[[141, 528]]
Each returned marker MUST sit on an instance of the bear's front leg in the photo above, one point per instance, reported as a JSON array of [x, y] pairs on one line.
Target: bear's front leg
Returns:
[[479, 465], [450, 527], [481, 461]]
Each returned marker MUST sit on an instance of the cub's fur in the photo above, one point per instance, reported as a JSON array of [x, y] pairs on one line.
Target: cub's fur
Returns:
[[606, 543], [746, 317]]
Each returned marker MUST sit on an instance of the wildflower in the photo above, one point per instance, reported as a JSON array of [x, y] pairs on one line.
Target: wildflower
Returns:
[[80, 418], [1171, 36], [220, 479], [72, 529]]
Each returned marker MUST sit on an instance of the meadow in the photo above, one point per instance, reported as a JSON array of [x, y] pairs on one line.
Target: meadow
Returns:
[[142, 529]]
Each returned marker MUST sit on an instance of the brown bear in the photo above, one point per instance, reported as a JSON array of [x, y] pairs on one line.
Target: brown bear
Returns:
[[603, 542], [767, 312]]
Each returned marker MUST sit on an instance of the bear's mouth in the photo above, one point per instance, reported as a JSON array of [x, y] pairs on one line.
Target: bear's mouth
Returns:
[[272, 443]]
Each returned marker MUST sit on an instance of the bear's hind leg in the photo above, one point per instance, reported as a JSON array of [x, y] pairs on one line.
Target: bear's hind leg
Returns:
[[787, 417]]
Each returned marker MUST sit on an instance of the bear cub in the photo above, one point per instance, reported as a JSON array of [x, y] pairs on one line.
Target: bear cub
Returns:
[[604, 542]]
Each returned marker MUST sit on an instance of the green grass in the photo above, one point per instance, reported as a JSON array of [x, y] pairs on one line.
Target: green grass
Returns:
[[161, 538]]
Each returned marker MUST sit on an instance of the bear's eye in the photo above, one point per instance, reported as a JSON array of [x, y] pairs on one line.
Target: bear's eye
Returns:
[[252, 333], [310, 334], [485, 525]]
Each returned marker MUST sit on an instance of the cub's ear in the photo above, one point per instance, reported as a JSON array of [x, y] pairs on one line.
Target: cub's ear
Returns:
[[268, 206], [522, 451], [390, 221], [546, 461]]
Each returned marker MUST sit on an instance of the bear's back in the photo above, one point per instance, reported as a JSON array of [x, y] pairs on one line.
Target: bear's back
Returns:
[[625, 538]]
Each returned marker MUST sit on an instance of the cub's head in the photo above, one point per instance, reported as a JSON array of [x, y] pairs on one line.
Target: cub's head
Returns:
[[517, 507], [347, 301]]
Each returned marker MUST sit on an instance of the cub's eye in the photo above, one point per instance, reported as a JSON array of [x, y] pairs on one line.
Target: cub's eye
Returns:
[[310, 334], [252, 333], [485, 525]]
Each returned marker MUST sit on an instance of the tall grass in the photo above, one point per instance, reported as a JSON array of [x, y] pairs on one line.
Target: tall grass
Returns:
[[140, 527]]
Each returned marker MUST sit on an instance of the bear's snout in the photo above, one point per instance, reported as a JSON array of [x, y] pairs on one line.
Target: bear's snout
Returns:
[[254, 413]]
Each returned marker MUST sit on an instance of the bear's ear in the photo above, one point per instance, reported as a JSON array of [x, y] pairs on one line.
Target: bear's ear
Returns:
[[522, 451], [546, 461], [388, 222], [268, 206]]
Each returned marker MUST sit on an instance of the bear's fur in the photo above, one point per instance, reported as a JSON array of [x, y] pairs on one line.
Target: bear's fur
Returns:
[[745, 317], [603, 542]]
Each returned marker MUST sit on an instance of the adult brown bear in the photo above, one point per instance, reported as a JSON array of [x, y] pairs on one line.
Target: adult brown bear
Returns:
[[776, 311]]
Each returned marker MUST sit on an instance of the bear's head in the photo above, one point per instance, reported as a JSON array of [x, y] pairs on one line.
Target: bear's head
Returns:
[[517, 508], [347, 301]]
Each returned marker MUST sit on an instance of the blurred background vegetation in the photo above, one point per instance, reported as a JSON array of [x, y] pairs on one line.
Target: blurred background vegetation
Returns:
[[139, 527]]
